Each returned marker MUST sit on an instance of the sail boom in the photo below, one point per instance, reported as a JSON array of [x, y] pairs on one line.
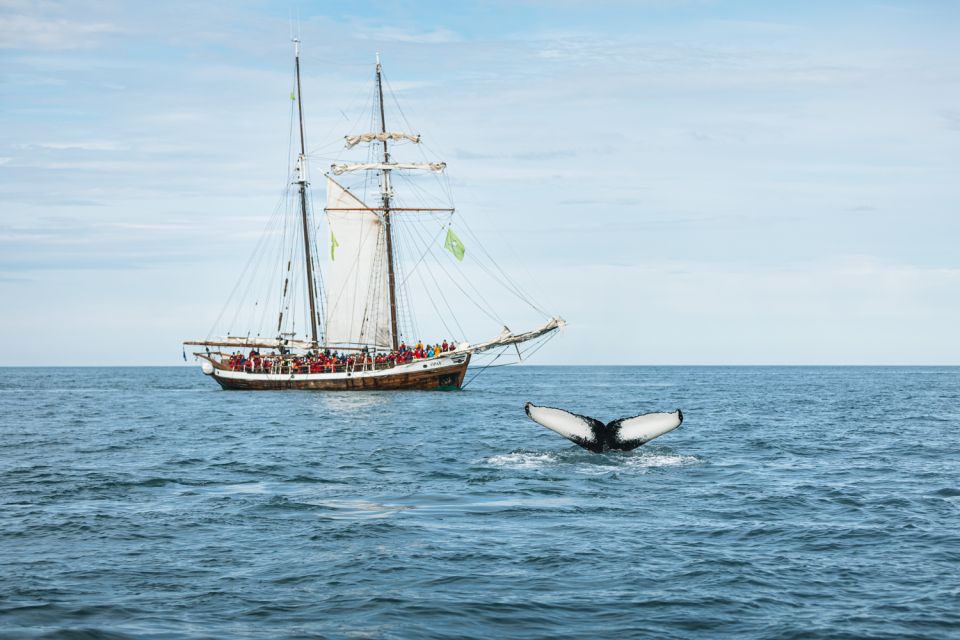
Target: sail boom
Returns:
[[391, 209], [506, 338], [266, 343], [436, 167], [353, 346]]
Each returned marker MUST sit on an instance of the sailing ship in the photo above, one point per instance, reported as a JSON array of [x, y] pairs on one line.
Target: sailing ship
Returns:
[[352, 336]]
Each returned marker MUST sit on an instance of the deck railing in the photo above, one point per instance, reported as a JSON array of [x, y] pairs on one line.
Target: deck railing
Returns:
[[284, 367], [287, 369]]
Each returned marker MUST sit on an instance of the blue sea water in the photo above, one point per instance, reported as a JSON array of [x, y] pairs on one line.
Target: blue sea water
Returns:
[[792, 503]]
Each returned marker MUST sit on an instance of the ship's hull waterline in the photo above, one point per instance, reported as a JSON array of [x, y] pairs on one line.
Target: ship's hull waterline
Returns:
[[421, 375]]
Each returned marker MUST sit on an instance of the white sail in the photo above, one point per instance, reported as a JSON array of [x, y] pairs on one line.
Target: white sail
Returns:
[[358, 304]]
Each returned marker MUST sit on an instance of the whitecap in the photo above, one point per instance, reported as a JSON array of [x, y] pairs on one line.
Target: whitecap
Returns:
[[589, 463], [660, 461], [523, 460], [358, 509]]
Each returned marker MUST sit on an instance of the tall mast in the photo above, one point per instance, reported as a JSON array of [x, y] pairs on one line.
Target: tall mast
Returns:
[[302, 182], [386, 211]]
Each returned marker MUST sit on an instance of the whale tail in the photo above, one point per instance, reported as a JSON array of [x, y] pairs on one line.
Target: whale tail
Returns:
[[623, 434]]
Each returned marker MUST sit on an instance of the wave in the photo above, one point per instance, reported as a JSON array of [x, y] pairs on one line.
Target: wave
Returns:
[[589, 463]]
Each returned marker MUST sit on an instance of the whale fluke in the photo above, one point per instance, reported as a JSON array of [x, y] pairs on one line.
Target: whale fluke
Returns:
[[623, 434]]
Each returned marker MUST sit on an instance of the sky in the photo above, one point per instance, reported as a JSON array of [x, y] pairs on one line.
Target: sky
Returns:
[[685, 182]]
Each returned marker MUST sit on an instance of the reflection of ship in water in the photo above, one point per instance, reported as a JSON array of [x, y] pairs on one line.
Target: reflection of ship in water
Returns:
[[349, 404], [356, 318]]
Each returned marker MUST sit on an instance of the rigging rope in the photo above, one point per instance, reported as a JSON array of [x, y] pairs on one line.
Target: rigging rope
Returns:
[[484, 368], [486, 311], [539, 342], [510, 284], [258, 247], [426, 290]]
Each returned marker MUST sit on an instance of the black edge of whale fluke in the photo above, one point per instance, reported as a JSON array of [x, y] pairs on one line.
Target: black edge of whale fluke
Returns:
[[622, 434]]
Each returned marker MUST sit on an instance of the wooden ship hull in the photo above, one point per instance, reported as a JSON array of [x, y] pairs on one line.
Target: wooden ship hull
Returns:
[[442, 374]]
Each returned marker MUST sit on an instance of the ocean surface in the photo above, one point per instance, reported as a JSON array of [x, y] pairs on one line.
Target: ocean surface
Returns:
[[798, 502]]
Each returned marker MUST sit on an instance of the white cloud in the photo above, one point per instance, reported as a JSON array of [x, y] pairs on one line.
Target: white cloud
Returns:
[[397, 34], [829, 312], [83, 145], [20, 31]]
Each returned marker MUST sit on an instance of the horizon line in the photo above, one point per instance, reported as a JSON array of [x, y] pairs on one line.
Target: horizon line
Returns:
[[184, 366]]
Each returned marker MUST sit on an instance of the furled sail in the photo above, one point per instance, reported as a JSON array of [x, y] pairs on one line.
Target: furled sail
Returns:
[[256, 343], [353, 141], [381, 166], [358, 303]]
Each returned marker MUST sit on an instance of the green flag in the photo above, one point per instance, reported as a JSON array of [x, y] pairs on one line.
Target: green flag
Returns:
[[333, 245], [453, 244], [292, 97]]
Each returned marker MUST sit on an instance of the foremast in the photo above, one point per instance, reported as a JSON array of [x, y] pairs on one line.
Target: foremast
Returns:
[[385, 194], [302, 182]]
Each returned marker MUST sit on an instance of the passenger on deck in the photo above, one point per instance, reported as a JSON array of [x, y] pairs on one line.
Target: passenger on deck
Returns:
[[327, 361]]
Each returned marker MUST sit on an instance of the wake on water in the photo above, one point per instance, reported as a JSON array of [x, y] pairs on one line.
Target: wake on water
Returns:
[[585, 463]]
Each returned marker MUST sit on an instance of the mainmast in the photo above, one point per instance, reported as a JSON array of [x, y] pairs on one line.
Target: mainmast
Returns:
[[364, 305], [385, 186], [302, 182]]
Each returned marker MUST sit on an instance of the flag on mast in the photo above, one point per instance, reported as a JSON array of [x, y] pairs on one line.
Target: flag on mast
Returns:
[[333, 245], [453, 244]]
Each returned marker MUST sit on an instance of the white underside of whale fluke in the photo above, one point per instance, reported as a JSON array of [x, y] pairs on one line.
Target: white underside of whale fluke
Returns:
[[648, 426], [622, 434], [569, 425]]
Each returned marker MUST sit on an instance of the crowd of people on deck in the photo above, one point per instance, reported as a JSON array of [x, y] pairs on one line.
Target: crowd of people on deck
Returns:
[[328, 361]]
